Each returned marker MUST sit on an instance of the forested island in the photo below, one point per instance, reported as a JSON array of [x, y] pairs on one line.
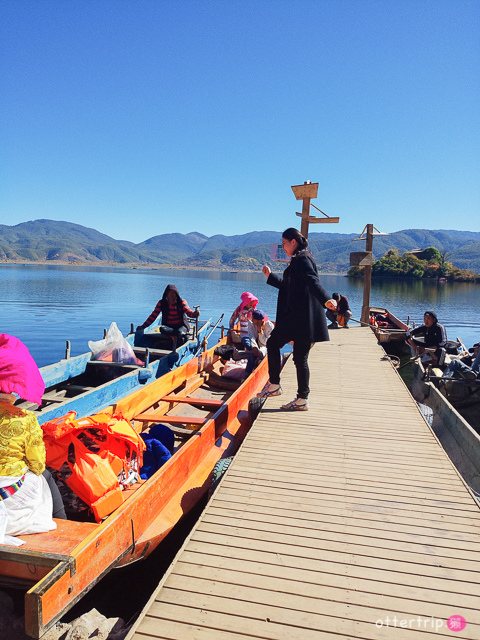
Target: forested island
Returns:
[[427, 263]]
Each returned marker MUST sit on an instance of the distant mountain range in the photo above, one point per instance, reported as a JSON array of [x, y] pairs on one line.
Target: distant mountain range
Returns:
[[49, 240]]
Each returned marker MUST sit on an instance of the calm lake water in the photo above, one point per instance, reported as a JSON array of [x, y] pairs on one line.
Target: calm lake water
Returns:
[[46, 305]]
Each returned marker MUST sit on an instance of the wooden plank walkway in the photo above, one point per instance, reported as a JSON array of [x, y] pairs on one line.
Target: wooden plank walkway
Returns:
[[347, 521]]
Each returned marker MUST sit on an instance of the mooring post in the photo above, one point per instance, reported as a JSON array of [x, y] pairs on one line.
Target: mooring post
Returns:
[[367, 276]]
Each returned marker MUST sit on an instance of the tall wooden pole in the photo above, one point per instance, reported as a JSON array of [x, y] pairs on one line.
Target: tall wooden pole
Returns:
[[367, 277], [305, 216]]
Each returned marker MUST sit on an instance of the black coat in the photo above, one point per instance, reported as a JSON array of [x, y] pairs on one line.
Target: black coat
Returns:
[[301, 300]]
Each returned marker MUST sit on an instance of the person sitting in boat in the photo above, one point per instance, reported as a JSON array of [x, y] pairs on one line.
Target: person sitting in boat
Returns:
[[429, 335], [26, 504], [243, 315], [259, 331], [175, 312], [340, 316], [467, 367]]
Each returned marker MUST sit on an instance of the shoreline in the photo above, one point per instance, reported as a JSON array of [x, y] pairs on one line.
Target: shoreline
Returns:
[[132, 265]]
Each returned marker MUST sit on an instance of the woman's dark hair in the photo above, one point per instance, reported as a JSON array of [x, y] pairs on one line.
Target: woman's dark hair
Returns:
[[294, 234]]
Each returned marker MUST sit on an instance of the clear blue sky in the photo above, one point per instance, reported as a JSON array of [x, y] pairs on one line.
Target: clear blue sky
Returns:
[[144, 117]]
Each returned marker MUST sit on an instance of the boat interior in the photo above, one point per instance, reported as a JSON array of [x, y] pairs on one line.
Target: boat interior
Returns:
[[97, 373], [183, 404]]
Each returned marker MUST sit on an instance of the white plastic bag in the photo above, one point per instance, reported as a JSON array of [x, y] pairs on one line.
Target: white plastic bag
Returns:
[[113, 348], [235, 369]]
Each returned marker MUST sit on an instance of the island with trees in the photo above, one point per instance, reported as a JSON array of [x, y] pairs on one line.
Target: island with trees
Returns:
[[427, 263]]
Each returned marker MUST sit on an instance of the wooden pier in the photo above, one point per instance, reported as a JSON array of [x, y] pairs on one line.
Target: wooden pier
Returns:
[[346, 521]]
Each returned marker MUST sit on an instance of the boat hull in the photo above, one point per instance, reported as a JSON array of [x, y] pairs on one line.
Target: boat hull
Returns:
[[68, 562], [393, 337], [458, 437]]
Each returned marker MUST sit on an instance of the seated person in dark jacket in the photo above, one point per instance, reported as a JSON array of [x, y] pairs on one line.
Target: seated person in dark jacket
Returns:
[[341, 315], [429, 335], [175, 312]]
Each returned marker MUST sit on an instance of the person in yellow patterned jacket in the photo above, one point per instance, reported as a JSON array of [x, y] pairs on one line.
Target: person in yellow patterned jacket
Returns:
[[25, 498]]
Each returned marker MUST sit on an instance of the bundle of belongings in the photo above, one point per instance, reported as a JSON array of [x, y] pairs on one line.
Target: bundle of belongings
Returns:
[[160, 443], [235, 361], [92, 460]]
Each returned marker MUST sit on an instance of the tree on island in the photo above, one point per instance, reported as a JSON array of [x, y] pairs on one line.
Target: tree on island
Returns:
[[432, 264]]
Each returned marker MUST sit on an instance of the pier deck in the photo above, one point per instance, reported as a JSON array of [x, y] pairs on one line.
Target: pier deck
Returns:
[[346, 521]]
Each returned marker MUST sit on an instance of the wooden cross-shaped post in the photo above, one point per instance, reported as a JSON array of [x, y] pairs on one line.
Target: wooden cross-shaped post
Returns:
[[306, 192], [364, 259]]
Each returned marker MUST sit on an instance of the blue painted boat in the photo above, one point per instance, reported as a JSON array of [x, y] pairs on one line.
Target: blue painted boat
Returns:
[[85, 385]]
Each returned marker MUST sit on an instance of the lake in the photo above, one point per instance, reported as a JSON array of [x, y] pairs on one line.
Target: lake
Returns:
[[47, 305]]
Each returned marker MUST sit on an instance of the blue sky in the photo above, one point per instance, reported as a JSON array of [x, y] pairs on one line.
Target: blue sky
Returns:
[[144, 117]]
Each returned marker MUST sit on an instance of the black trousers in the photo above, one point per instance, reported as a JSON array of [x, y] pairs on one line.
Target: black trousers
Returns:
[[58, 508], [179, 333], [301, 349]]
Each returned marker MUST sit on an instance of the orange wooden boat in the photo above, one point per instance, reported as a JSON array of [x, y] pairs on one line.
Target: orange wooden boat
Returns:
[[210, 417]]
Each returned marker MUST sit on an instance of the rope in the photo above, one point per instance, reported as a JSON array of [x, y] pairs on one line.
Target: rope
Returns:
[[394, 360]]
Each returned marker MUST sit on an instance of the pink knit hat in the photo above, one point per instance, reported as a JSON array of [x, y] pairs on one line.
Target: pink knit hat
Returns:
[[246, 298], [18, 371]]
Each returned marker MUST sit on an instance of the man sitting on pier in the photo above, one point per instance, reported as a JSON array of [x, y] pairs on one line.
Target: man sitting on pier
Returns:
[[429, 335]]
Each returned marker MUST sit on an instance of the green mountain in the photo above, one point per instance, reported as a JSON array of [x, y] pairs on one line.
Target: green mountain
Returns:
[[45, 240]]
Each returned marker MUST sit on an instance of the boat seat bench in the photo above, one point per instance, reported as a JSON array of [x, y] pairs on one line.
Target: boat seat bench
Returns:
[[116, 364], [196, 402], [77, 387], [155, 417], [152, 351]]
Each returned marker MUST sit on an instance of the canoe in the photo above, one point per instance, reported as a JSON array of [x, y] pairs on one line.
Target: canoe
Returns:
[[85, 385], [209, 421], [457, 430], [462, 395], [386, 326]]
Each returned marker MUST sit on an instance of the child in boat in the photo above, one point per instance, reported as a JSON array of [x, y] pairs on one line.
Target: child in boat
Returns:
[[243, 314], [260, 329], [25, 498], [175, 312]]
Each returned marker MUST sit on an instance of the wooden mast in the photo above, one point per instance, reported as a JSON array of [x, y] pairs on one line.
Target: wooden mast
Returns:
[[306, 192], [364, 259]]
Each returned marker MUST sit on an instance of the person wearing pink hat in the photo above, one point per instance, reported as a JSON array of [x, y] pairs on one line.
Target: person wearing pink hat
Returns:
[[26, 504], [243, 314]]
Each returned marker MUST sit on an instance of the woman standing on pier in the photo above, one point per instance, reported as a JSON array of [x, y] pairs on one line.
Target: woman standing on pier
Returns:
[[300, 317]]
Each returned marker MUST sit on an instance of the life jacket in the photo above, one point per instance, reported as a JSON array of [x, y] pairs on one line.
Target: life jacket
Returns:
[[102, 446]]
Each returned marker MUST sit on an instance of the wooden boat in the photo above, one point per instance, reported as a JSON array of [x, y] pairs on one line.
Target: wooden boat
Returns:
[[387, 327], [458, 431], [59, 567], [85, 385], [454, 394]]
